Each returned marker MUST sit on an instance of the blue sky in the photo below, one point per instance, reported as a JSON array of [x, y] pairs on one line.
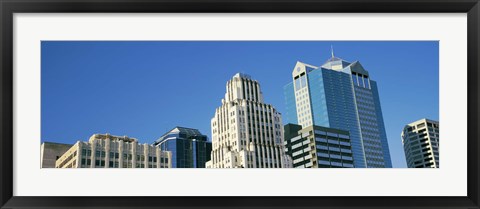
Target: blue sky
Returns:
[[143, 89]]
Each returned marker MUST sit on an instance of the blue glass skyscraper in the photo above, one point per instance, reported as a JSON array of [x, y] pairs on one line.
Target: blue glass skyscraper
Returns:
[[340, 95]]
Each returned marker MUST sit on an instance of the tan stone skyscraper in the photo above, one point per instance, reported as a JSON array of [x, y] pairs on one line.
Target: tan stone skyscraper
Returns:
[[246, 132]]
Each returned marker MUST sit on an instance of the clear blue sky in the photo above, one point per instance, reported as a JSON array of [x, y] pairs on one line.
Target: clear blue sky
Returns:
[[143, 89]]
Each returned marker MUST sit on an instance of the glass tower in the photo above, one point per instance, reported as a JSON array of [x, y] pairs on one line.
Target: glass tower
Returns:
[[340, 95], [189, 147]]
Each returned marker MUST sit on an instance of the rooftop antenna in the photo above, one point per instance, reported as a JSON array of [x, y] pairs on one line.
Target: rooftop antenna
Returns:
[[331, 48]]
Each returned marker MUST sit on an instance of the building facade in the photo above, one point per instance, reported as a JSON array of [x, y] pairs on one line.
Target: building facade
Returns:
[[340, 95], [318, 147], [108, 151], [420, 141], [189, 147], [246, 132], [50, 152]]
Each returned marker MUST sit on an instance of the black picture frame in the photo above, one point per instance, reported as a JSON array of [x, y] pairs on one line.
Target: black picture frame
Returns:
[[9, 7]]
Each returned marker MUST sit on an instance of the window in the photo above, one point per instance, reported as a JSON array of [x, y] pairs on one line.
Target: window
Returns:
[[367, 83], [297, 84], [303, 81]]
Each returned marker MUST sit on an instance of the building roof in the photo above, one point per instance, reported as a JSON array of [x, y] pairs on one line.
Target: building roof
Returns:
[[56, 143], [187, 132], [308, 65], [335, 61], [242, 75], [112, 137], [358, 68], [423, 120]]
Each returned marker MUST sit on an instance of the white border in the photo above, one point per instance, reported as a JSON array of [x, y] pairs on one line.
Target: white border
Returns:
[[449, 180]]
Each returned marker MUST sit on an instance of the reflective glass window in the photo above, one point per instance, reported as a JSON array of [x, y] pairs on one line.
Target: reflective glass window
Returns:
[[303, 81], [354, 78], [297, 84]]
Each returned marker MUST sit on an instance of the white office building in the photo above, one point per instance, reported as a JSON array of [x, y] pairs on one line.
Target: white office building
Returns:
[[420, 141], [246, 132]]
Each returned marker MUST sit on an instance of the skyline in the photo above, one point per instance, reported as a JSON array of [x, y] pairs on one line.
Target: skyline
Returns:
[[103, 88]]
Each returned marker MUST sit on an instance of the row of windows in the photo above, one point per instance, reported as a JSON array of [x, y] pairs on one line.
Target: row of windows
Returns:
[[67, 159], [364, 95], [86, 163], [115, 155], [361, 80]]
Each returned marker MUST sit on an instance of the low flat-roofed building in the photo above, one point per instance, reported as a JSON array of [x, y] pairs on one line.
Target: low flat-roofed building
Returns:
[[318, 147], [108, 151], [50, 152]]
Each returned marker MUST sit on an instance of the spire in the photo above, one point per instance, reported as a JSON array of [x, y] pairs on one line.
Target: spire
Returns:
[[334, 63], [331, 48]]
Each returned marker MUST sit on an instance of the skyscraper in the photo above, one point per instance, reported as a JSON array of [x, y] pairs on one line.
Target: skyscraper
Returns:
[[340, 95], [420, 141], [189, 147], [246, 132]]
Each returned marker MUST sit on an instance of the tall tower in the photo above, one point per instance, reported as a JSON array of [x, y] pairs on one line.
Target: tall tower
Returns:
[[246, 132], [420, 141], [340, 95]]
